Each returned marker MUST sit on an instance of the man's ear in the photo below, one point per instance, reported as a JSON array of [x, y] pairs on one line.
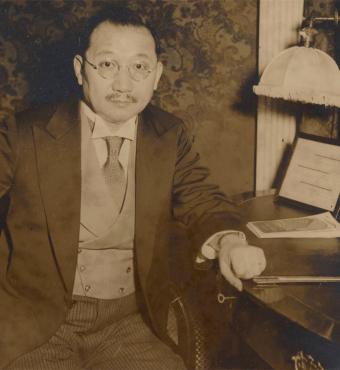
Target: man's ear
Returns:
[[78, 66], [159, 71]]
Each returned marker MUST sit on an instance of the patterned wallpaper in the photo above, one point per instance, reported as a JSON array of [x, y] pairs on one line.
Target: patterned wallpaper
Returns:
[[209, 51], [210, 59]]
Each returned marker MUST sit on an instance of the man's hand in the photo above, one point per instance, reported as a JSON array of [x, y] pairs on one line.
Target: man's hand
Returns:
[[241, 262]]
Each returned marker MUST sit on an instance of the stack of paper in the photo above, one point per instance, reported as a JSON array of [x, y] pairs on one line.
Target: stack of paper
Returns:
[[322, 225]]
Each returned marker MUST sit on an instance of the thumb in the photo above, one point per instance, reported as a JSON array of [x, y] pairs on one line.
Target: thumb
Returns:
[[225, 268]]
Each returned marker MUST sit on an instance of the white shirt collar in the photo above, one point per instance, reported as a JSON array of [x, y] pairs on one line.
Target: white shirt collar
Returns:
[[103, 128]]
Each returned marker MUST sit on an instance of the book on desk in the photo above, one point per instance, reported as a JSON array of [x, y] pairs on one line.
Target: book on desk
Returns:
[[311, 181]]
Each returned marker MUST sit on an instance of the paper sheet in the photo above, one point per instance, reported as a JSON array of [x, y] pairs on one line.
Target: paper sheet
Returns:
[[322, 225], [313, 175]]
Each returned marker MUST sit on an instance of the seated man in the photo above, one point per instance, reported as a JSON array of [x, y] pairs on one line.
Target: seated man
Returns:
[[93, 187]]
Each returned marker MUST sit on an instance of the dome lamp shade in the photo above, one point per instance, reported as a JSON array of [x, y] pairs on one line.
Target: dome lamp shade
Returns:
[[302, 74]]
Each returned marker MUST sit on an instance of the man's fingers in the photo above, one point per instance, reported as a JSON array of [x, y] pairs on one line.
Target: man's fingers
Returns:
[[261, 262], [248, 262], [241, 262], [229, 276]]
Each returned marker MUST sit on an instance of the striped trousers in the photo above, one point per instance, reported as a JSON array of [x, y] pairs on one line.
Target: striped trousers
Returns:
[[98, 335]]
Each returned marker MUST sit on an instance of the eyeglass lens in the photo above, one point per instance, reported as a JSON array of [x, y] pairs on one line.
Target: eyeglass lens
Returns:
[[138, 71]]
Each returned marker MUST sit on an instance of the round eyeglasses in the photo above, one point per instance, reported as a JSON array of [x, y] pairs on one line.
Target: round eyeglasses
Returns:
[[109, 69]]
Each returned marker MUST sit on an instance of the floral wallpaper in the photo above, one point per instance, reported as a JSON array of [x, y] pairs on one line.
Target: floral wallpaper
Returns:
[[209, 52]]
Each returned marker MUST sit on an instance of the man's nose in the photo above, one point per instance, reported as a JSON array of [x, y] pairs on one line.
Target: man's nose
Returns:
[[122, 81]]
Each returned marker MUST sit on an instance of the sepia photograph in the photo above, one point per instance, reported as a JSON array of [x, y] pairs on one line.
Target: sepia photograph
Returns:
[[169, 184]]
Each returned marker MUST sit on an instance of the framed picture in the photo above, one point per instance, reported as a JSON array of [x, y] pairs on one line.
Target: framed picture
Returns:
[[313, 176]]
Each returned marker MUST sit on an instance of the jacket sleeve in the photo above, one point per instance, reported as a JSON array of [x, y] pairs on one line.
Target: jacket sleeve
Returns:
[[8, 157], [201, 206]]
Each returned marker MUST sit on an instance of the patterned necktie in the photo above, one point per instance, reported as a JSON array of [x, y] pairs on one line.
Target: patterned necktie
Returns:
[[113, 170]]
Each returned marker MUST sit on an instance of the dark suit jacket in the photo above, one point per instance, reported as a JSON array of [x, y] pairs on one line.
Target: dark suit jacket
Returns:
[[40, 178]]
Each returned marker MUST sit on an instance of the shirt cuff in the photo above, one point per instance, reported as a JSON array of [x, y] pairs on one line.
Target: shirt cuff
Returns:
[[212, 245]]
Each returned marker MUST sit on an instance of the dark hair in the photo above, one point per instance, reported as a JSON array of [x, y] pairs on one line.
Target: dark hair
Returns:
[[117, 15]]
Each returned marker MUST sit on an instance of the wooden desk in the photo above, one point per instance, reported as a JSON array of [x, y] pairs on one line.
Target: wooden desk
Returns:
[[278, 322]]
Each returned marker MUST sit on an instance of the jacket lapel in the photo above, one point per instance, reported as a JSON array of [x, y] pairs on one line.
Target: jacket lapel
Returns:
[[58, 148], [152, 199]]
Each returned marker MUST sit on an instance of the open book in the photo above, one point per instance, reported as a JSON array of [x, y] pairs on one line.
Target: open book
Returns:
[[322, 225]]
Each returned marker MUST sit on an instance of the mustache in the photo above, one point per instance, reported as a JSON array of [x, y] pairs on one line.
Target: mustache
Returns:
[[121, 97]]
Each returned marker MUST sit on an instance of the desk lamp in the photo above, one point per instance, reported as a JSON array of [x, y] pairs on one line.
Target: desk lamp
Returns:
[[303, 73]]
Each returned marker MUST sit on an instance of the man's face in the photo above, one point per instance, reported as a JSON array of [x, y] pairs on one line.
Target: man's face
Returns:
[[119, 98]]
